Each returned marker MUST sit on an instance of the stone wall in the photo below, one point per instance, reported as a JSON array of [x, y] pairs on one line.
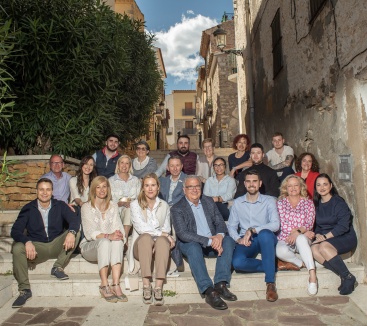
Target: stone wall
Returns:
[[14, 195]]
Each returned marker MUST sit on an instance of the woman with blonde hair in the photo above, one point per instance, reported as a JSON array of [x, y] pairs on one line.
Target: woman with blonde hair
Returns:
[[104, 237], [297, 217], [150, 217]]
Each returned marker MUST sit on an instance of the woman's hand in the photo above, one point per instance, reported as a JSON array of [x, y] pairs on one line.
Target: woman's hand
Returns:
[[124, 204], [319, 238], [116, 236], [310, 234], [291, 239], [233, 172]]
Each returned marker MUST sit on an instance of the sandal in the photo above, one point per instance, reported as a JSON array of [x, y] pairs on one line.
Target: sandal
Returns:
[[107, 294], [158, 297], [147, 294], [122, 297]]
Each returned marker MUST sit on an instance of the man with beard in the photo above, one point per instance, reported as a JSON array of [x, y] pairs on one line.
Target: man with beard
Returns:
[[107, 157], [183, 151], [270, 182], [256, 216]]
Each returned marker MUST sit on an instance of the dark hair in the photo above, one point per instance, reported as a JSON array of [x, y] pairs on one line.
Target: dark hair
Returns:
[[79, 173], [174, 157], [112, 135], [314, 166], [276, 134], [143, 142], [316, 195], [44, 180], [183, 136], [257, 145], [237, 139], [252, 172], [220, 159]]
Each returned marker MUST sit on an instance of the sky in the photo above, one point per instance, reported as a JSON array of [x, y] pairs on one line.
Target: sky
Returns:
[[177, 26]]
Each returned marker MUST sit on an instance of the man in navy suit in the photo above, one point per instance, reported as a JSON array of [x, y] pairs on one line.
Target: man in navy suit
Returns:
[[201, 231]]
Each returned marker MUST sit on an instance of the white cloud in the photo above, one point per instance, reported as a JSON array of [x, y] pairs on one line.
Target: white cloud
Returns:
[[180, 46], [190, 12]]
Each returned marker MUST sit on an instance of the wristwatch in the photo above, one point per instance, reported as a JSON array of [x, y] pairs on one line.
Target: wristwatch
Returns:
[[299, 231], [252, 230], [72, 232]]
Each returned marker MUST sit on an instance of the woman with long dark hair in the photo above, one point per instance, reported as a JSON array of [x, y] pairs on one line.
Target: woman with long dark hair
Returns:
[[307, 168]]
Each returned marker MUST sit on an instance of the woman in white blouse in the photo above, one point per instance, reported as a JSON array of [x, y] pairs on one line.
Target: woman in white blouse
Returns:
[[150, 216], [104, 237], [125, 188]]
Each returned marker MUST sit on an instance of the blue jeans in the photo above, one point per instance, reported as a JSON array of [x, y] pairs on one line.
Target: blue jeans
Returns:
[[244, 257], [195, 255]]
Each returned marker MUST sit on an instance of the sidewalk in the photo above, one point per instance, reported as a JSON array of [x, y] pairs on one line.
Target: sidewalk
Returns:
[[293, 308]]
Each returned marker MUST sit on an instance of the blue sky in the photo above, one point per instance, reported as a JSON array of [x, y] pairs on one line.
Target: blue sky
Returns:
[[177, 25]]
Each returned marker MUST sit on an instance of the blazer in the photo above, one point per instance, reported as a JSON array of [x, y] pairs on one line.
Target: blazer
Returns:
[[184, 223], [177, 193]]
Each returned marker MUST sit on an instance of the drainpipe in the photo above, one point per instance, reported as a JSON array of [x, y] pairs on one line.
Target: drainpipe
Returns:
[[249, 79]]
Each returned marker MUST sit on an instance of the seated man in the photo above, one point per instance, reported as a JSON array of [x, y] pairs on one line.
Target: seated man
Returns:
[[280, 157], [201, 231], [258, 219], [45, 238]]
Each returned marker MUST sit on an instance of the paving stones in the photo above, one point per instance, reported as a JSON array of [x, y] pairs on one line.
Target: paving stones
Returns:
[[333, 310]]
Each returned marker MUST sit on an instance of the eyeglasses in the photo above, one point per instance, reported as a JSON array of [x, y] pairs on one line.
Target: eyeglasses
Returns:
[[218, 165], [141, 149], [56, 163], [198, 187]]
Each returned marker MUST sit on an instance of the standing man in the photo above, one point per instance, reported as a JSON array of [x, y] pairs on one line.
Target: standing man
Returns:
[[280, 157], [107, 157], [39, 235], [270, 182], [188, 158], [257, 217], [201, 231], [60, 180]]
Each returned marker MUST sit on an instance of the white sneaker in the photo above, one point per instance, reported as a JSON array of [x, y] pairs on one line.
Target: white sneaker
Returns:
[[173, 273], [312, 289]]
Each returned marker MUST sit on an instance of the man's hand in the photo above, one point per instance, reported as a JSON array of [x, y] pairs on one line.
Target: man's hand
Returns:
[[171, 242], [247, 238], [69, 242], [30, 250], [216, 241]]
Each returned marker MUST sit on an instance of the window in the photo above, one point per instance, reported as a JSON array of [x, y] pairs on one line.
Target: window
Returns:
[[189, 128], [315, 8], [232, 62], [188, 110], [277, 44]]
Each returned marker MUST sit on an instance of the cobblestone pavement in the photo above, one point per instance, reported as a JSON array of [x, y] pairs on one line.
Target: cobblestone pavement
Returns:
[[332, 310]]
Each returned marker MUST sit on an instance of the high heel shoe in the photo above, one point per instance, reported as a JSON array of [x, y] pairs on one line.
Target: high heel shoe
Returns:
[[107, 294], [122, 297]]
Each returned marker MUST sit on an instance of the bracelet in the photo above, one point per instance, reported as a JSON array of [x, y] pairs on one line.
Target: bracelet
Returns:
[[324, 235]]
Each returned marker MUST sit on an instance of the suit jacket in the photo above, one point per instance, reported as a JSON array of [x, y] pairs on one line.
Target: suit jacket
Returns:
[[177, 193], [184, 223]]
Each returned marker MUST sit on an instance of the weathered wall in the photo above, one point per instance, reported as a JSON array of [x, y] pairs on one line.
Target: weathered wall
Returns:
[[318, 100]]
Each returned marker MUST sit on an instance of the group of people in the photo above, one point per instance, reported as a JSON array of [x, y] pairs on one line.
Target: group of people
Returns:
[[190, 206]]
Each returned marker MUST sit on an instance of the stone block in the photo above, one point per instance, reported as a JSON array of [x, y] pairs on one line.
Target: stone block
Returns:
[[10, 190], [23, 197]]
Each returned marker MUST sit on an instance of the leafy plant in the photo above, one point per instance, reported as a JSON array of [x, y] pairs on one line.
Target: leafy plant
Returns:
[[169, 293]]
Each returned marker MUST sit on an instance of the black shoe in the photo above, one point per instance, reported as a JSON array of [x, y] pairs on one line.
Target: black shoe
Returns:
[[58, 272], [24, 295], [221, 288], [213, 299], [348, 285]]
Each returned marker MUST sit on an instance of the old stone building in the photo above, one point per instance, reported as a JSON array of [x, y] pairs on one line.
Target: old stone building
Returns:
[[309, 67]]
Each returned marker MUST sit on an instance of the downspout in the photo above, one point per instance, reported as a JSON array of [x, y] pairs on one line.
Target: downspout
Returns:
[[249, 79]]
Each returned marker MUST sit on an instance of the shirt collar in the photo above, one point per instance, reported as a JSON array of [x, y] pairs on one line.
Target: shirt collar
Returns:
[[259, 199], [191, 203], [40, 207]]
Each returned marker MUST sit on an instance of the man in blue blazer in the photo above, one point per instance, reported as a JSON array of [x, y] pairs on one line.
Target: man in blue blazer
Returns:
[[201, 231]]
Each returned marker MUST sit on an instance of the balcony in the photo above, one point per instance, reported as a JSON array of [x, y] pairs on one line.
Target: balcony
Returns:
[[188, 112], [189, 131]]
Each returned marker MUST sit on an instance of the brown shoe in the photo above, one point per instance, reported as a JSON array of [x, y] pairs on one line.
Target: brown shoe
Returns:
[[271, 292], [286, 266]]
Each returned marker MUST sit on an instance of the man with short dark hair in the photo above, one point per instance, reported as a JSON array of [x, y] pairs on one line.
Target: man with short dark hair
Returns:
[[39, 235], [270, 181], [256, 216], [107, 157], [183, 151]]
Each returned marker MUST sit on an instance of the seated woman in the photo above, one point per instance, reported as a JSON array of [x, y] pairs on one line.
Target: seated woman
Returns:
[[297, 217], [204, 164], [143, 164], [151, 238], [125, 188], [307, 168], [241, 159], [334, 231], [220, 187], [104, 237]]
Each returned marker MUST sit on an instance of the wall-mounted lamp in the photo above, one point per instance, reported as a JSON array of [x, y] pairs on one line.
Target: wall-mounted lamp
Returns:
[[220, 38]]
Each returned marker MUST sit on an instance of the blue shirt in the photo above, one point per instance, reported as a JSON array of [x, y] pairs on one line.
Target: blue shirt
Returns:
[[226, 188], [61, 188], [261, 214]]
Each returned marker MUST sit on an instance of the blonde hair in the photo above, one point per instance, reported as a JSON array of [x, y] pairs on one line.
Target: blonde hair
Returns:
[[283, 187], [92, 192], [117, 171], [142, 199]]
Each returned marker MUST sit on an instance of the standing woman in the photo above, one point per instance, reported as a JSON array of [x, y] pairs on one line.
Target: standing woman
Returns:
[[334, 231], [151, 238], [125, 188], [241, 158], [307, 168], [204, 164], [143, 164], [297, 217], [104, 237]]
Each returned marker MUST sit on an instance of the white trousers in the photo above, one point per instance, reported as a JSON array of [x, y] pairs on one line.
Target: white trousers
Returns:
[[103, 251], [287, 253]]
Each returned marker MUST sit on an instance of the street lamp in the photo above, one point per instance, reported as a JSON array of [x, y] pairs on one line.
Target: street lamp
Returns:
[[220, 38]]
